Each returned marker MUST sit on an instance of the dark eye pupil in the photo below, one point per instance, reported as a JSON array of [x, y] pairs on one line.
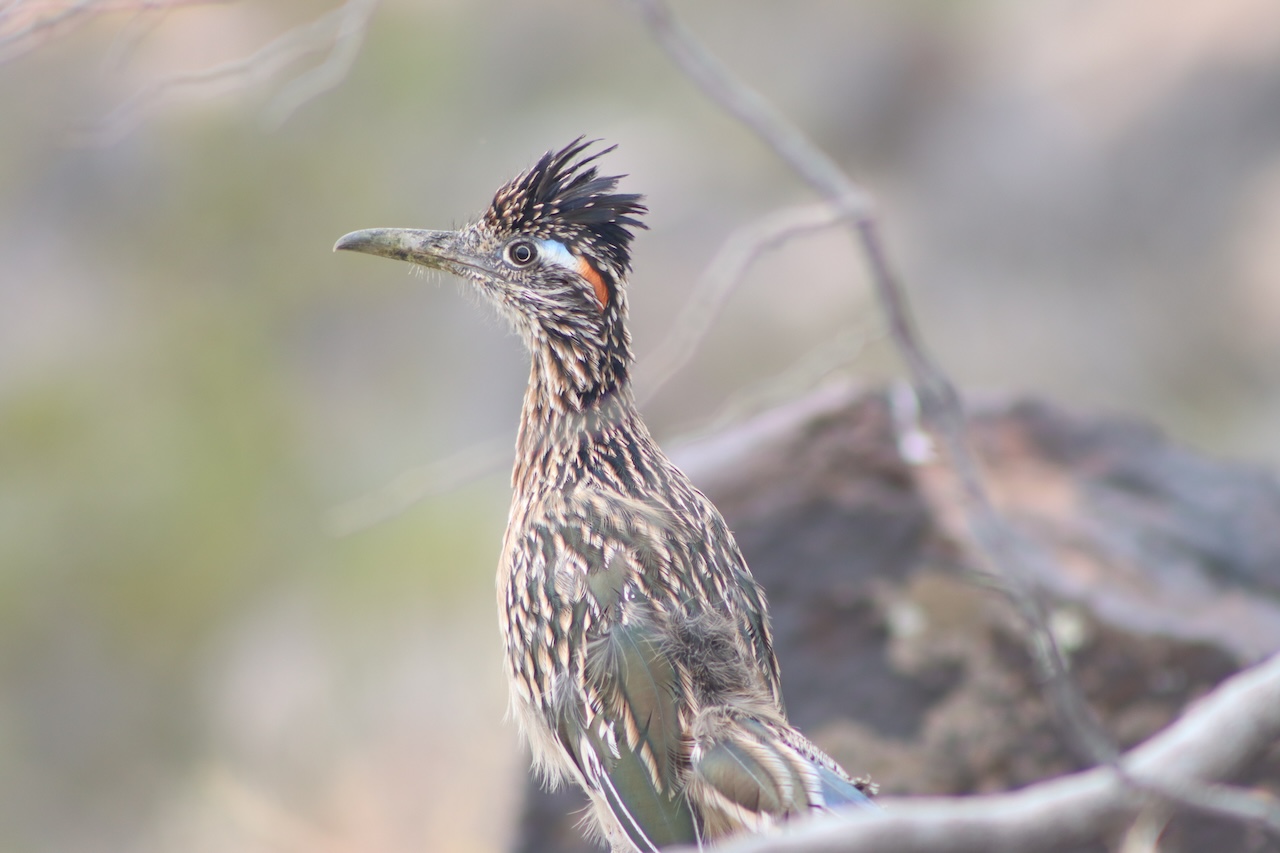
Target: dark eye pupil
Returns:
[[522, 253]]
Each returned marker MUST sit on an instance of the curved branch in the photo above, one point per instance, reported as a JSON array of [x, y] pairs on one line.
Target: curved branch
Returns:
[[25, 24], [338, 33], [1215, 738], [736, 255], [1007, 553], [1011, 559], [418, 484]]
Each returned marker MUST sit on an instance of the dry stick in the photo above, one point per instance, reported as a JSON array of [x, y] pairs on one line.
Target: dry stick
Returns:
[[1008, 553], [351, 21], [11, 40], [939, 401], [736, 255], [1214, 738], [416, 485], [18, 39], [338, 31]]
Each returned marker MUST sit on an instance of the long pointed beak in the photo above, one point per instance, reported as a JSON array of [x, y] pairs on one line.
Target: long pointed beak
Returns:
[[436, 249]]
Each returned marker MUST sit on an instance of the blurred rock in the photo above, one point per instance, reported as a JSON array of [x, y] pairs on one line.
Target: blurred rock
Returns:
[[1166, 579]]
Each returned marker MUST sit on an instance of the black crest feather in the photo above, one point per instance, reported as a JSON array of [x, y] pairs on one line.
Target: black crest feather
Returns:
[[564, 198]]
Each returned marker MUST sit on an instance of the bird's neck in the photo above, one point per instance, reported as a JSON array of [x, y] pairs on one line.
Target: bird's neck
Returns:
[[577, 397]]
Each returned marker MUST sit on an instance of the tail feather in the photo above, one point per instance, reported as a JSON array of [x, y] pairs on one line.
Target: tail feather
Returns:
[[839, 791], [750, 771]]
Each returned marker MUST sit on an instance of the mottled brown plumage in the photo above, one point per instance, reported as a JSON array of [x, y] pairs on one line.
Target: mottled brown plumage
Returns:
[[637, 643]]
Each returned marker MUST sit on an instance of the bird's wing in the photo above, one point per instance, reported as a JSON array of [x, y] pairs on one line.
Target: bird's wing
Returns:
[[630, 744], [654, 631], [615, 704]]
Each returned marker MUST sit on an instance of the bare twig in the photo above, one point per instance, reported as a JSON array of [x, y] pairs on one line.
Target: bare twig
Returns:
[[726, 270], [1216, 737], [22, 25], [142, 23], [940, 405], [350, 22], [807, 372], [25, 24], [418, 484], [1221, 800], [339, 32], [1011, 559]]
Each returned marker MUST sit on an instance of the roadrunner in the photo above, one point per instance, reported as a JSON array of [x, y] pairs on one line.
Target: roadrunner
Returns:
[[638, 647]]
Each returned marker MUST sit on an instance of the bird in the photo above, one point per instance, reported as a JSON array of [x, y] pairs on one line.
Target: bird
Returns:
[[638, 648]]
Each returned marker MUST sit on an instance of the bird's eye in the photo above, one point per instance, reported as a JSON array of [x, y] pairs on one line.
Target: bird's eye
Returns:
[[521, 253]]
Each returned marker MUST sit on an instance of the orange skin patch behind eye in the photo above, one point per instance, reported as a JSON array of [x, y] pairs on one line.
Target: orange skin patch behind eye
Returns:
[[597, 282]]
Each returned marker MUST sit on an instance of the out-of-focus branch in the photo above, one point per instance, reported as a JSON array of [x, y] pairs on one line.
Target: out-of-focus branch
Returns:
[[338, 33], [26, 24], [735, 257], [940, 406], [1011, 559], [344, 28], [418, 484], [1215, 738], [807, 372]]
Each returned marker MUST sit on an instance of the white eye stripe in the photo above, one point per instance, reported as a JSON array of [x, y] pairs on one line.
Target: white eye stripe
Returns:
[[554, 252]]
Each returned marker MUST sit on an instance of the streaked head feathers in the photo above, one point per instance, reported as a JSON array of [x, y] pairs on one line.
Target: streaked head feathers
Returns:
[[564, 198]]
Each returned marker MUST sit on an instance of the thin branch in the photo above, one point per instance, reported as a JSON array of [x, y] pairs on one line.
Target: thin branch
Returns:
[[17, 37], [339, 31], [737, 254], [1011, 558], [940, 405], [25, 24], [142, 23], [809, 371], [352, 23], [746, 105], [418, 484], [1214, 738], [1221, 800]]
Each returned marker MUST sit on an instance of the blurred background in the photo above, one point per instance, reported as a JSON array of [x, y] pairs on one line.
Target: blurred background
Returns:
[[1084, 200]]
